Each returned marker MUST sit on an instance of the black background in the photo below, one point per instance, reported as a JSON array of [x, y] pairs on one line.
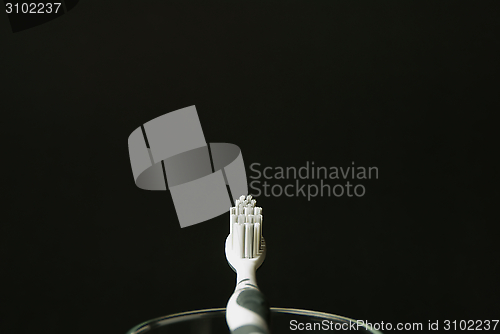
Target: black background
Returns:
[[409, 87]]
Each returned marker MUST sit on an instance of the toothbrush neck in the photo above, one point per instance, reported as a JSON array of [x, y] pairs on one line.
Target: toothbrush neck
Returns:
[[245, 277]]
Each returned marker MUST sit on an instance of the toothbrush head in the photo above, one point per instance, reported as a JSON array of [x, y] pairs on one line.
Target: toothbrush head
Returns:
[[245, 245]]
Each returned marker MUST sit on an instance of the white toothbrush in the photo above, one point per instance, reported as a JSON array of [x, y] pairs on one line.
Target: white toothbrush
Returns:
[[247, 310]]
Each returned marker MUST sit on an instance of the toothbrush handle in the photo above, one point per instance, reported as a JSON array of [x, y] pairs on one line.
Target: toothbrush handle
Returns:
[[248, 312]]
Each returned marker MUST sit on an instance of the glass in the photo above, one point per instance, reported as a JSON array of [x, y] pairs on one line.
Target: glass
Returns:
[[283, 320]]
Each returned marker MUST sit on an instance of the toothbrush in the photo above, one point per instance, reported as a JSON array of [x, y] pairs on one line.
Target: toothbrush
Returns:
[[247, 310]]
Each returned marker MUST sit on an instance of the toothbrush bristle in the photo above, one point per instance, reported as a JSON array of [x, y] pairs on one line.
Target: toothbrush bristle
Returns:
[[245, 228]]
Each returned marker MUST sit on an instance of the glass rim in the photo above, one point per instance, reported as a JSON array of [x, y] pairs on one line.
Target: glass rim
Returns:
[[163, 320]]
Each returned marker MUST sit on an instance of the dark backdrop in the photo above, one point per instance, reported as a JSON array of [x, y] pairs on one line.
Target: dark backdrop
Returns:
[[408, 87]]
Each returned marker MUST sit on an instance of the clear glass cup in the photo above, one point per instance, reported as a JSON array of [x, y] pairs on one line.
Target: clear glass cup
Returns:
[[283, 320]]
